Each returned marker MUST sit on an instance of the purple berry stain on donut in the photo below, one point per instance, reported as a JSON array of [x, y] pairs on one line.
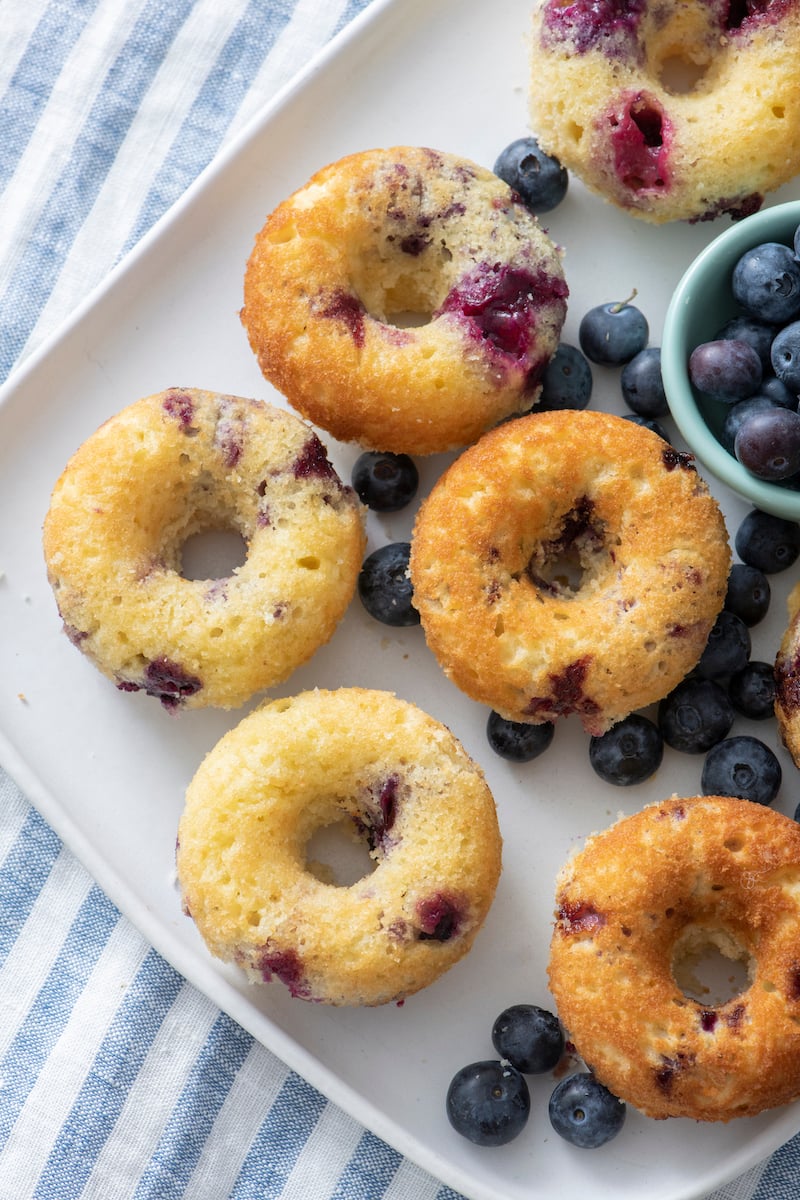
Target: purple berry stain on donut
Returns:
[[286, 966], [579, 916], [787, 683], [708, 1020], [165, 680], [610, 25], [672, 458], [566, 696], [379, 818], [640, 139], [793, 987], [180, 406], [665, 1074], [439, 918], [312, 461], [343, 306], [736, 207]]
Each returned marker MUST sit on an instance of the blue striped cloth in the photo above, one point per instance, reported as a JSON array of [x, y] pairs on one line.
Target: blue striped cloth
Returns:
[[117, 1078]]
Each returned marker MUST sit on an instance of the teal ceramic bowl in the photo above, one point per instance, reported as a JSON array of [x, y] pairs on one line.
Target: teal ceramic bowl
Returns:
[[702, 303]]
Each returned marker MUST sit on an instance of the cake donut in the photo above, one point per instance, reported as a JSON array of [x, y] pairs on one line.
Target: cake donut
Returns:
[[402, 783], [404, 299], [636, 909], [181, 462], [569, 562], [787, 679], [637, 98]]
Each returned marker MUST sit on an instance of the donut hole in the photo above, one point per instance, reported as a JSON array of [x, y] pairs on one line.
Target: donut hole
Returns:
[[680, 73], [711, 965], [212, 554], [402, 282], [337, 854], [563, 565]]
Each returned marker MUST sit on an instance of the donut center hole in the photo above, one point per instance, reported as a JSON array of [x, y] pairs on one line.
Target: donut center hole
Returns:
[[711, 966], [562, 565], [212, 554], [336, 854], [403, 282], [680, 75]]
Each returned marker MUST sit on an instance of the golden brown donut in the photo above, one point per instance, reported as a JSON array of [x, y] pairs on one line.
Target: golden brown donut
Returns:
[[339, 266], [569, 562], [403, 784], [633, 907]]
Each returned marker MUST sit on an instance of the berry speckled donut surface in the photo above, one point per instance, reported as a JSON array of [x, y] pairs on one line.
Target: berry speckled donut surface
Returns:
[[671, 111], [403, 785], [186, 461], [787, 679], [404, 299], [569, 562], [636, 909]]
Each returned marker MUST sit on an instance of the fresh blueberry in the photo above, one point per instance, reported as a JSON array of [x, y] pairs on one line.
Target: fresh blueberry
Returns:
[[529, 1037], [744, 767], [584, 1112], [727, 649], [758, 334], [647, 423], [695, 715], [748, 594], [736, 415], [766, 282], [785, 355], [752, 690], [516, 741], [488, 1103], [727, 369], [385, 482], [642, 385], [768, 444], [767, 542], [613, 333], [384, 585], [630, 752], [539, 178], [778, 392], [566, 380]]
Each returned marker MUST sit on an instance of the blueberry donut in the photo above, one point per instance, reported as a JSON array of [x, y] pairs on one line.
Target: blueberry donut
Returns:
[[787, 679], [569, 562], [181, 462], [404, 299], [637, 910], [402, 784], [671, 111]]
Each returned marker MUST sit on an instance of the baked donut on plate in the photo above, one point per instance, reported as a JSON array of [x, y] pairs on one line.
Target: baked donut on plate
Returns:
[[636, 909], [638, 99], [569, 562], [404, 299], [402, 783], [186, 461]]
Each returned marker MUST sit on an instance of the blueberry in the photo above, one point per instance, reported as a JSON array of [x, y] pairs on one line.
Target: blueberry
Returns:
[[642, 385], [766, 282], [566, 380], [488, 1103], [752, 690], [647, 423], [748, 594], [695, 715], [529, 1037], [385, 482], [517, 741], [384, 586], [768, 444], [727, 649], [736, 415], [778, 392], [613, 333], [630, 752], [539, 178], [727, 370], [767, 542], [744, 767], [785, 355], [758, 334], [584, 1112]]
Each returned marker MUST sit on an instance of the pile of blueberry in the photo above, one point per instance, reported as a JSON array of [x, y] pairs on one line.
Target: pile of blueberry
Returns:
[[752, 364], [488, 1102]]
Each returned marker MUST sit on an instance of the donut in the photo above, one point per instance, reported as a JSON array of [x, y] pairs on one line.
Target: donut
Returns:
[[400, 782], [638, 100], [404, 299], [569, 563], [185, 461], [636, 910], [787, 679]]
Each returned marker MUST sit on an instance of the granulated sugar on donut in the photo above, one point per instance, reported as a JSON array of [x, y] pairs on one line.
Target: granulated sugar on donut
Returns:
[[670, 110], [635, 909], [403, 785], [181, 462], [404, 299], [569, 563]]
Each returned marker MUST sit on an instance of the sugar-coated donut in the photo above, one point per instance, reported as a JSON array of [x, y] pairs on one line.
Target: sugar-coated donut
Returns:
[[637, 909], [407, 788], [377, 237], [637, 98], [185, 461], [569, 562], [787, 679]]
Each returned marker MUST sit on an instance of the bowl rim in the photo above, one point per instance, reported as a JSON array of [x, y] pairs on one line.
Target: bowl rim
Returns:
[[769, 224]]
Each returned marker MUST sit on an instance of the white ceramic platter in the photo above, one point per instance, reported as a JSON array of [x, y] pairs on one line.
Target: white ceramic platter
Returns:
[[108, 769]]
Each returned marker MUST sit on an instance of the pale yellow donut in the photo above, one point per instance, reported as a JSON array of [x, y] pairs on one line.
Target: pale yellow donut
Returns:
[[632, 909], [569, 562], [403, 783], [672, 110], [185, 461], [382, 234]]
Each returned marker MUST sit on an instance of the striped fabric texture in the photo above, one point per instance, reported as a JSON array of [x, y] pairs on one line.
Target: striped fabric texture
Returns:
[[118, 1080]]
